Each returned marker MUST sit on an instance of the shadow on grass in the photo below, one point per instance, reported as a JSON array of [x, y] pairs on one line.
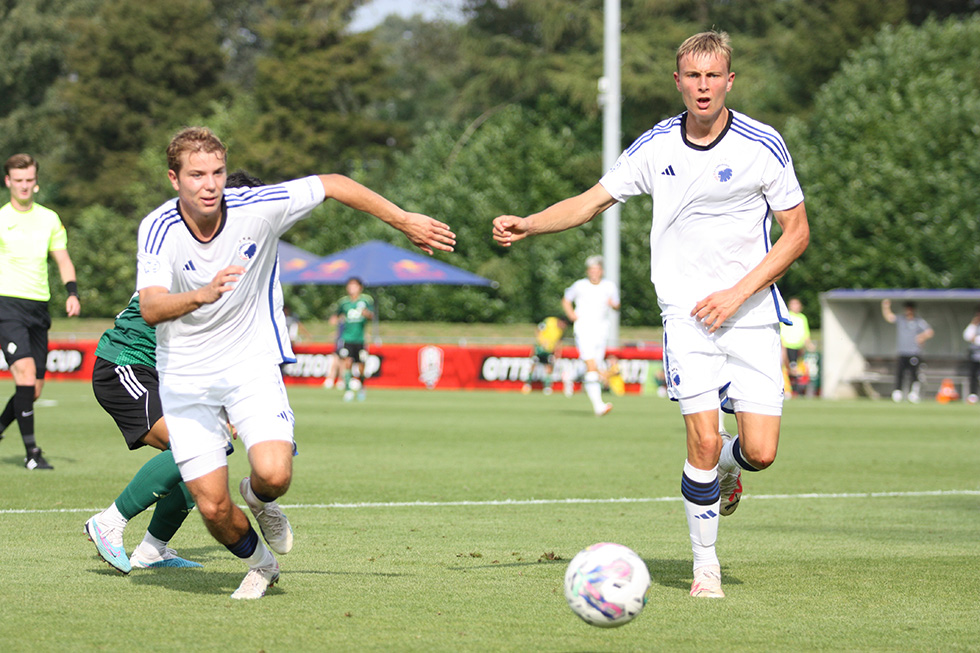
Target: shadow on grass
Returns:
[[678, 574]]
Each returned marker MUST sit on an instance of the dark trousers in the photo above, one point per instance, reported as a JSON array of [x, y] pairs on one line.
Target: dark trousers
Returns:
[[908, 364]]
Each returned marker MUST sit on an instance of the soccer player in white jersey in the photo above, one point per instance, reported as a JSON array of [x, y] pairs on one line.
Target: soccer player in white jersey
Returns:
[[717, 179], [206, 268], [589, 303]]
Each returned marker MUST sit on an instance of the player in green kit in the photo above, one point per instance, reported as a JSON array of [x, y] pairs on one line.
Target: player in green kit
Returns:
[[126, 384], [356, 309]]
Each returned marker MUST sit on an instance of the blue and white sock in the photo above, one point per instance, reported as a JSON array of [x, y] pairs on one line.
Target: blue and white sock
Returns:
[[702, 499]]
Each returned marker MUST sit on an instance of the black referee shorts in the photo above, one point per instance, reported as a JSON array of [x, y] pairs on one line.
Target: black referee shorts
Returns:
[[24, 325], [131, 396]]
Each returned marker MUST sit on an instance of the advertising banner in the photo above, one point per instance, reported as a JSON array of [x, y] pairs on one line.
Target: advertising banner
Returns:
[[505, 367]]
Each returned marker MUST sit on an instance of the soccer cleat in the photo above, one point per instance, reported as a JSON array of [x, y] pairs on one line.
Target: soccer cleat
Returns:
[[35, 460], [707, 583], [109, 543], [604, 410], [169, 558], [349, 395], [730, 485], [272, 521], [256, 582]]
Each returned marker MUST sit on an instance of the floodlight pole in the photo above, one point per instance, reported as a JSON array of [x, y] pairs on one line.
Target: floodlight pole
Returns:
[[610, 99]]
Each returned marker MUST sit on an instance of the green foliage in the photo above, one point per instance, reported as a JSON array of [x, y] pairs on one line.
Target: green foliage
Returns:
[[889, 163], [320, 92], [137, 71]]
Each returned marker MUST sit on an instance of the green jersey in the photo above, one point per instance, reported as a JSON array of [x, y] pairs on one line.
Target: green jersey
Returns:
[[352, 310], [130, 340]]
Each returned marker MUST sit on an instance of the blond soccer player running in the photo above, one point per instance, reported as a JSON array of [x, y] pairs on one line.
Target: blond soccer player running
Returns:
[[206, 262], [717, 178]]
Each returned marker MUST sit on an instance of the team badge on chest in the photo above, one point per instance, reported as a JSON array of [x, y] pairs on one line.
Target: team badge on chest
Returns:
[[247, 248]]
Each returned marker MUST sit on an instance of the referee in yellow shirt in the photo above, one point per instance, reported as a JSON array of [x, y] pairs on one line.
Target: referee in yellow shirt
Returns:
[[796, 340], [28, 233]]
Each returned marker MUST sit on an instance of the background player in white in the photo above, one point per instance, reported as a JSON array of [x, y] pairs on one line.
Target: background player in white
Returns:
[[717, 179], [206, 268], [588, 303]]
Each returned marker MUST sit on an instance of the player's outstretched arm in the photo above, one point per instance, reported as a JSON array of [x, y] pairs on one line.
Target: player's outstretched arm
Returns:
[[424, 232], [157, 304], [566, 214]]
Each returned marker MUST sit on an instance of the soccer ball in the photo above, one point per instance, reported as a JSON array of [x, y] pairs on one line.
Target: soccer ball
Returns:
[[355, 384], [606, 584]]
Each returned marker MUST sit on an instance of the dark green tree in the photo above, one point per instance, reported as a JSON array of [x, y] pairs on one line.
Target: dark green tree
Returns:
[[136, 72], [321, 94], [889, 162]]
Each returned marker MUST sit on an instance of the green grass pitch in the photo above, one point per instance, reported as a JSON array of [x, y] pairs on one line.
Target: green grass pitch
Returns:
[[443, 521]]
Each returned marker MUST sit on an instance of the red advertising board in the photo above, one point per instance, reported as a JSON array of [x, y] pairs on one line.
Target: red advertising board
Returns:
[[404, 366]]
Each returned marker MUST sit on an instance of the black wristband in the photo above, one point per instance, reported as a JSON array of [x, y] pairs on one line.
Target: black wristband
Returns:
[[72, 288]]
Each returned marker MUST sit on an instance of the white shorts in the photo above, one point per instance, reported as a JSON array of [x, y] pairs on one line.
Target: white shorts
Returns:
[[197, 410], [698, 363], [591, 343]]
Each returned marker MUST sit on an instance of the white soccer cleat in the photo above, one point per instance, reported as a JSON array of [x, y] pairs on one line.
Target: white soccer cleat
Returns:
[[272, 521], [256, 582], [707, 583], [604, 410], [729, 485], [109, 543]]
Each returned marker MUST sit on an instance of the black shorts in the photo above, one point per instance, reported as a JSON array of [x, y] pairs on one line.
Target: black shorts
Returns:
[[24, 325], [544, 356], [131, 396], [352, 350]]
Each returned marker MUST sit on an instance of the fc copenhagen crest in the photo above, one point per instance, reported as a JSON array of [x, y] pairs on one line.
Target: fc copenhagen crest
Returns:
[[247, 248]]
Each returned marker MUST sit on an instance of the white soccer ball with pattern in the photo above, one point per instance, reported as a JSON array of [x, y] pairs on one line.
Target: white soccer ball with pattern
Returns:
[[606, 584]]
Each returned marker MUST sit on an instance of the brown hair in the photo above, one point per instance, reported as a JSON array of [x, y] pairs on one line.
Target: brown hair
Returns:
[[190, 140], [19, 162], [706, 43]]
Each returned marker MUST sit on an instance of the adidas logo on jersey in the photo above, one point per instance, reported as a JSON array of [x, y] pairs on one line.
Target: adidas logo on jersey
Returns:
[[669, 171], [189, 266]]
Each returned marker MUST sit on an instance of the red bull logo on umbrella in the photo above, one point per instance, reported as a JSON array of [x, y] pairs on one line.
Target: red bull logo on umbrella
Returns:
[[408, 269]]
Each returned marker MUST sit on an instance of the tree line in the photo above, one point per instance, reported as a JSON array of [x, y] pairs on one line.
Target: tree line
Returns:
[[497, 114]]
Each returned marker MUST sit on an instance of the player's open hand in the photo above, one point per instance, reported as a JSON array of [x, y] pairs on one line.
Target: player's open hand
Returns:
[[223, 282], [509, 229], [427, 233], [716, 308]]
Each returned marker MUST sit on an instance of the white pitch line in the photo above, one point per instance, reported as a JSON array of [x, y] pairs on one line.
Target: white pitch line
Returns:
[[552, 502]]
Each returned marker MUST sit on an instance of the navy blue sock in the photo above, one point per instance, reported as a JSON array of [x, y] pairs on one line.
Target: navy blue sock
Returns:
[[737, 454], [245, 547]]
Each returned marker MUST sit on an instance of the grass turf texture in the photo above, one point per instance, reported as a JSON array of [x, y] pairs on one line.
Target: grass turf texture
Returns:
[[415, 531]]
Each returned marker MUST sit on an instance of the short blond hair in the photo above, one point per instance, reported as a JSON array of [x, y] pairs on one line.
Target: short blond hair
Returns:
[[706, 43], [193, 139]]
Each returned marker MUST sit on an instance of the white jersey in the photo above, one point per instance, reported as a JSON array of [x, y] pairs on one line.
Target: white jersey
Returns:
[[242, 324], [591, 301], [712, 210]]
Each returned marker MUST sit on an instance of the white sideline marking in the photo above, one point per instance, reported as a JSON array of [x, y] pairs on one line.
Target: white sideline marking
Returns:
[[552, 502]]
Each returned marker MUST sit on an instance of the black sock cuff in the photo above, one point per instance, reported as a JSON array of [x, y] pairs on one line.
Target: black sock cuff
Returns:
[[737, 454], [245, 547]]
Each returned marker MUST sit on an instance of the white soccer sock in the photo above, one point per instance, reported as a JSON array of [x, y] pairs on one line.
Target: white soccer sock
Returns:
[[112, 518], [261, 557], [726, 461], [593, 390], [153, 543], [702, 520]]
